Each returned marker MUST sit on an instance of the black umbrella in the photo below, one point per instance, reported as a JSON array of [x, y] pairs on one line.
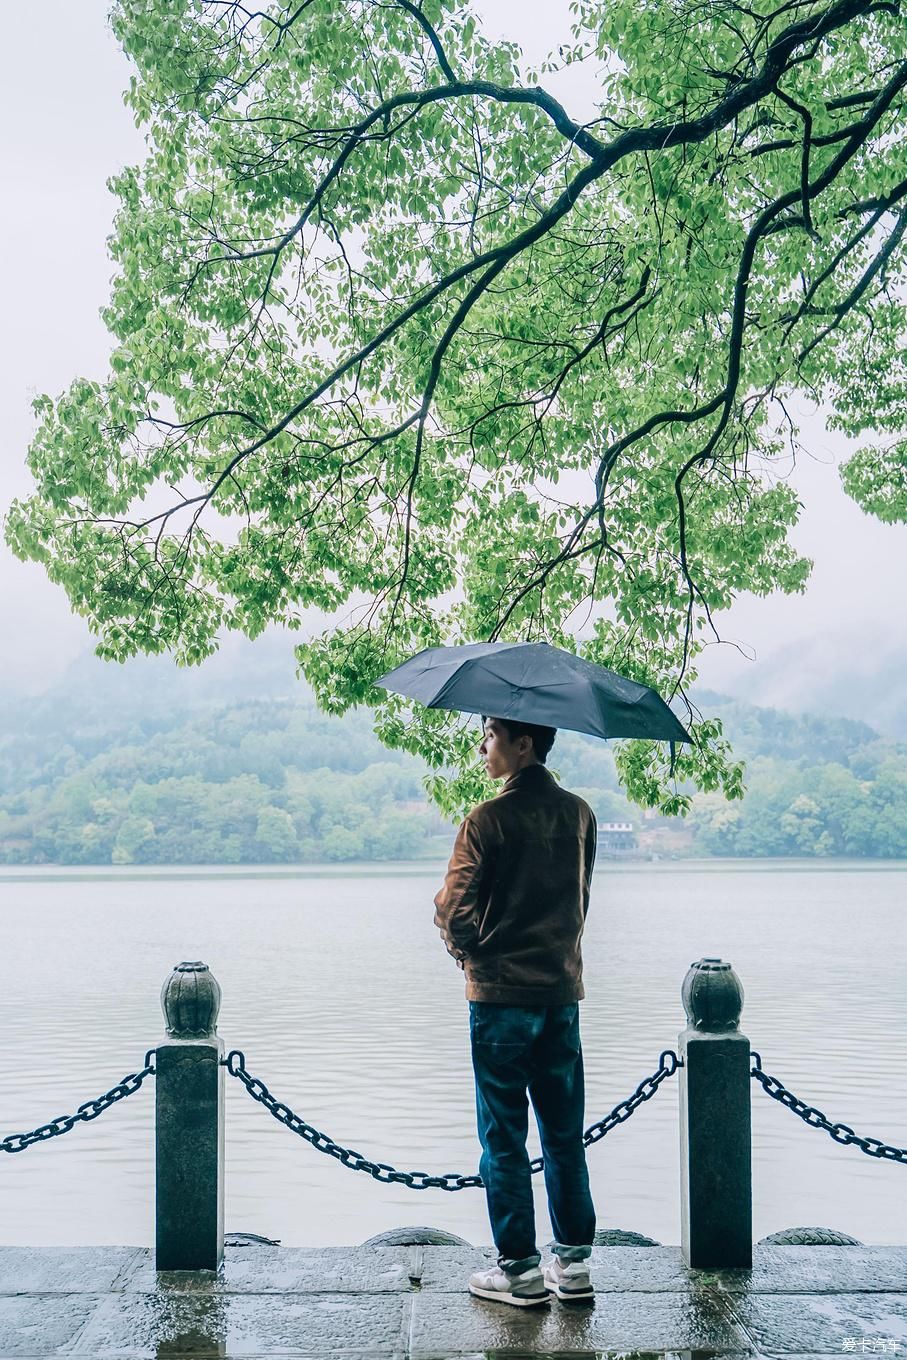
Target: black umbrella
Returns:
[[534, 682]]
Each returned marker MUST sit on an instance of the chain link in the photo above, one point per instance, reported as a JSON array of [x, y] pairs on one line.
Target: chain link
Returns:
[[18, 1142], [841, 1133], [235, 1063]]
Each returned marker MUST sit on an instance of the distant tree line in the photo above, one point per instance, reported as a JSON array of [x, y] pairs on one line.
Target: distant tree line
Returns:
[[256, 783], [277, 781], [816, 810], [815, 786]]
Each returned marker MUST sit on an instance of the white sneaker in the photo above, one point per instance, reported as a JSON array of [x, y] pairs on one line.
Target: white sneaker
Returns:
[[569, 1281], [526, 1290]]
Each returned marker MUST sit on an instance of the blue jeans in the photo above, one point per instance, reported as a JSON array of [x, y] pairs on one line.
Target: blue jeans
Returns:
[[516, 1049]]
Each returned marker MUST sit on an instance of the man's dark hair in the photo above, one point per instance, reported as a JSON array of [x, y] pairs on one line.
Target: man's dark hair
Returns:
[[542, 737]]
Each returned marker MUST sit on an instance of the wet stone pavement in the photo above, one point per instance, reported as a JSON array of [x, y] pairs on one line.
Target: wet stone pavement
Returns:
[[411, 1302]]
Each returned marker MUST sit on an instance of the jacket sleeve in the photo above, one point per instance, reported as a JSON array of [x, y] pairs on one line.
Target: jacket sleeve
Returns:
[[589, 859], [457, 904]]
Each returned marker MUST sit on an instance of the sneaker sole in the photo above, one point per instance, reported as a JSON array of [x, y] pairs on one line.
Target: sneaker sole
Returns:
[[572, 1296], [519, 1300]]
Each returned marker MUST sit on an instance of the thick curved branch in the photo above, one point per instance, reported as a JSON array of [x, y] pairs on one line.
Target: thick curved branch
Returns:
[[878, 208], [803, 112], [416, 99], [743, 95], [847, 304], [416, 12], [769, 219], [497, 258]]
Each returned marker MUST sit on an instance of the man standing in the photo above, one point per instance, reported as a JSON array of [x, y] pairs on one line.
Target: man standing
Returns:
[[511, 912]]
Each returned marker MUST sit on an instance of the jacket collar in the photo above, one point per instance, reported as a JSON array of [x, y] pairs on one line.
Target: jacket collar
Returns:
[[531, 776]]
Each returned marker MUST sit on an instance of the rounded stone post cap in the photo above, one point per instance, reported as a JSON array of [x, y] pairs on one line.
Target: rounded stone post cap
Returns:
[[190, 998], [712, 995]]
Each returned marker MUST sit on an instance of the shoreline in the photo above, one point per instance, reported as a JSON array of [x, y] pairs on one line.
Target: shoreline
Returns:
[[25, 873]]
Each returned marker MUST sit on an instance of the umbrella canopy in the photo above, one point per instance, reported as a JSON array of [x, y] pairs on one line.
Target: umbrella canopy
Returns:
[[534, 682]]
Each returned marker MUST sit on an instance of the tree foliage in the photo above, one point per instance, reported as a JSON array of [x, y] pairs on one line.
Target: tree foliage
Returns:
[[377, 291]]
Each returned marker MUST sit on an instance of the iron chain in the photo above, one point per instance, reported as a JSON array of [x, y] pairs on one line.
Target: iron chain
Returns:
[[18, 1142], [451, 1180], [841, 1133], [235, 1063]]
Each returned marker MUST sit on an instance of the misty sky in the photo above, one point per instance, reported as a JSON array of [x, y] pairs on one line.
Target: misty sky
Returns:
[[62, 94]]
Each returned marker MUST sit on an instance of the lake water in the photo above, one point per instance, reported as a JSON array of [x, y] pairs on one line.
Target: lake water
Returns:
[[339, 991]]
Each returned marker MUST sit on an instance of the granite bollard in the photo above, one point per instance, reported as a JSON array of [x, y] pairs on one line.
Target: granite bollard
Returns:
[[715, 1122], [189, 1124]]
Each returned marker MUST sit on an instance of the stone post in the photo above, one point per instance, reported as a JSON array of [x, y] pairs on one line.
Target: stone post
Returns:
[[715, 1139], [189, 1124]]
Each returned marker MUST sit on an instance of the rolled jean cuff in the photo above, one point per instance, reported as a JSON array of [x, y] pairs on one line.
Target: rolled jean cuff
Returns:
[[516, 1267], [571, 1253]]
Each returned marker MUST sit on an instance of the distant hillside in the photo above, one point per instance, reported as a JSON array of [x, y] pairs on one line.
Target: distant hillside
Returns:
[[235, 764], [791, 736]]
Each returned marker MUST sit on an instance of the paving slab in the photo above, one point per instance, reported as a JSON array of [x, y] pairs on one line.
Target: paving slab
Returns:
[[86, 1270], [139, 1325], [790, 1324], [456, 1324], [40, 1324], [816, 1270], [620, 1354], [291, 1270], [601, 1355], [411, 1303]]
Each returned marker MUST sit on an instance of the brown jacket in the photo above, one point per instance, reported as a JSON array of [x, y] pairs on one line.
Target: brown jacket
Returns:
[[515, 897]]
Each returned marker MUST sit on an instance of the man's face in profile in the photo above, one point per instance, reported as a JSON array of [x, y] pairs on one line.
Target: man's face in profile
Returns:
[[502, 757]]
